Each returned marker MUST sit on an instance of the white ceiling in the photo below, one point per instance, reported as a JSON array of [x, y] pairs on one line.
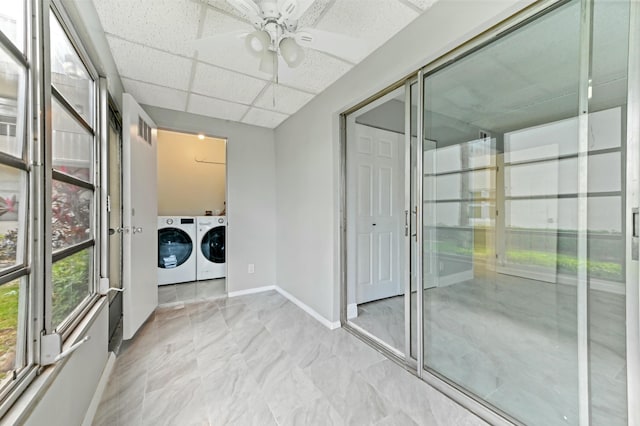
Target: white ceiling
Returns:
[[152, 42]]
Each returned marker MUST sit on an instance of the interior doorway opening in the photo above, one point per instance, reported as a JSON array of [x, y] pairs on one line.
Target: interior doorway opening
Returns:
[[192, 217]]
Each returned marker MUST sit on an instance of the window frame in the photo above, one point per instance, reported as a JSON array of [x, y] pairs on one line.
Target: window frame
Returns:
[[53, 8], [35, 159], [26, 334]]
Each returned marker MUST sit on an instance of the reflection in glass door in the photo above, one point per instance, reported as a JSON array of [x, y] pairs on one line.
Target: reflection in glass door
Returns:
[[523, 189], [520, 168], [377, 228]]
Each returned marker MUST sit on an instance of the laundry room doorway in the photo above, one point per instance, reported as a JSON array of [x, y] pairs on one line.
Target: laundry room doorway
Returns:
[[192, 192]]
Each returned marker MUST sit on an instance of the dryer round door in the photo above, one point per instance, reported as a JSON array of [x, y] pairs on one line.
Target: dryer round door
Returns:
[[212, 245], [174, 247]]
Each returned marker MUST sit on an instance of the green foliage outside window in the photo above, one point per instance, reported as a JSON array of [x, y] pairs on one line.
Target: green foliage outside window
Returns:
[[9, 296], [71, 277]]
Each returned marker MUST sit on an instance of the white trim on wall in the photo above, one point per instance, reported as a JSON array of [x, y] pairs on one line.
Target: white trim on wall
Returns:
[[102, 385], [352, 311], [251, 291], [331, 325]]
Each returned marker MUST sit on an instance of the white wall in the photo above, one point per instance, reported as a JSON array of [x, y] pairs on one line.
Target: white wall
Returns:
[[307, 147], [251, 229], [191, 174]]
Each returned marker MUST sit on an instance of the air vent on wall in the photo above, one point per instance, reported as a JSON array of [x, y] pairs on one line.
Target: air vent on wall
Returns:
[[144, 130]]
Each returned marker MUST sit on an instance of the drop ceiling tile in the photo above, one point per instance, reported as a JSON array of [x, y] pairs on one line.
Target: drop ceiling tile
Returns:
[[422, 4], [216, 22], [145, 64], [287, 100], [263, 118], [159, 96], [163, 24], [226, 7], [374, 21], [228, 52], [316, 72], [217, 108], [223, 84], [313, 13]]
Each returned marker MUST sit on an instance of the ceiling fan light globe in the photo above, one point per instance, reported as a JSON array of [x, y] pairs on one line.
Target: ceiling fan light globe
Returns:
[[257, 43], [291, 52]]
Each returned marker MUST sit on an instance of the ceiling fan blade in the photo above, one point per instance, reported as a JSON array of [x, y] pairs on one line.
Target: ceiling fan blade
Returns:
[[303, 6], [287, 8], [342, 46], [249, 9], [219, 39]]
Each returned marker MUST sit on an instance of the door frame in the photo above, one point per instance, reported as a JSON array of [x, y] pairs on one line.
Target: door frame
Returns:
[[226, 191], [114, 119], [346, 307]]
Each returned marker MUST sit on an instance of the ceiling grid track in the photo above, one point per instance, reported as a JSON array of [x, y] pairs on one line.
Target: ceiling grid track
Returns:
[[411, 5], [190, 58], [194, 64]]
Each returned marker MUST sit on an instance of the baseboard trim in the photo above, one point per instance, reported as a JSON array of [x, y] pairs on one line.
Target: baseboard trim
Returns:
[[330, 325], [322, 320], [102, 385], [251, 291], [352, 310]]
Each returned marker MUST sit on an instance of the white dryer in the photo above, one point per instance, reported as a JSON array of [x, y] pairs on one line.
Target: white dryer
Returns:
[[211, 257], [176, 249]]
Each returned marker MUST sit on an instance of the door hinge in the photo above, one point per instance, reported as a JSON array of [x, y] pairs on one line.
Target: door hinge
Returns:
[[108, 203]]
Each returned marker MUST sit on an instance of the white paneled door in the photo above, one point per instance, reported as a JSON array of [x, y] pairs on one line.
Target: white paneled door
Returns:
[[140, 211], [378, 205]]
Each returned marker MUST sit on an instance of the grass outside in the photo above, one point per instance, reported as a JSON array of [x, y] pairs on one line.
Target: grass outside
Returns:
[[9, 295], [565, 263]]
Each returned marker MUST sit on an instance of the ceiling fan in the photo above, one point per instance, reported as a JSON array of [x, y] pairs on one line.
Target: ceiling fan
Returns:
[[277, 34]]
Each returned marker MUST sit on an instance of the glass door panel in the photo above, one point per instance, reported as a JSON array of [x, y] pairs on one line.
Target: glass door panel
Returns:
[[500, 220], [376, 221], [607, 209]]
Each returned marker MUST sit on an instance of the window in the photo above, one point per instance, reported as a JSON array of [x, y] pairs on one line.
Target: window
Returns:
[[73, 192], [14, 204], [52, 267]]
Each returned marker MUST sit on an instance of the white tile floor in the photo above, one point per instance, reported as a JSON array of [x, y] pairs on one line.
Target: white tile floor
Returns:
[[384, 319], [260, 360], [513, 342], [191, 291]]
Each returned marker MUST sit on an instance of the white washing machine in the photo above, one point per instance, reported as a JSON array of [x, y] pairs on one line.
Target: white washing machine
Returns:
[[211, 257], [176, 249]]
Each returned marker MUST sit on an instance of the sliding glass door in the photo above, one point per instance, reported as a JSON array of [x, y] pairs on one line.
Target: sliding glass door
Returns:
[[523, 218], [377, 221], [492, 224]]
